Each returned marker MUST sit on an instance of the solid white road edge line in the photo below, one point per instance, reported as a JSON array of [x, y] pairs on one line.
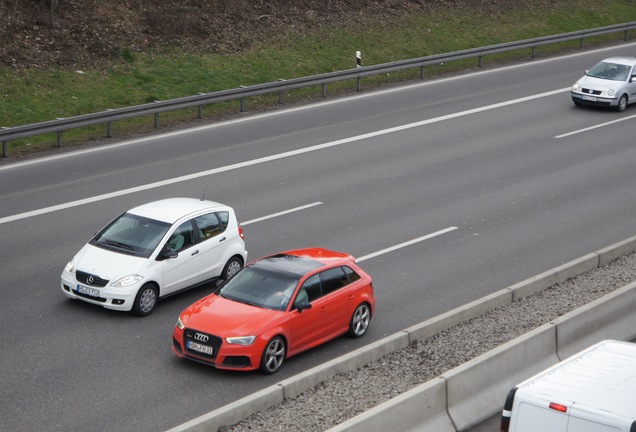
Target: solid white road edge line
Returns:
[[405, 244]]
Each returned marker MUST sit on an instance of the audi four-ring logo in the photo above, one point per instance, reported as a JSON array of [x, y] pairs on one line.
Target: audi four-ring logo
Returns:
[[201, 337]]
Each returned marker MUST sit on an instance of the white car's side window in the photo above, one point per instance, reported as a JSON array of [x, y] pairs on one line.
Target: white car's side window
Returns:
[[209, 226], [181, 238]]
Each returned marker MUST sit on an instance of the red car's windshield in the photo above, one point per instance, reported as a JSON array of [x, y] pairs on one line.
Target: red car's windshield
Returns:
[[261, 288]]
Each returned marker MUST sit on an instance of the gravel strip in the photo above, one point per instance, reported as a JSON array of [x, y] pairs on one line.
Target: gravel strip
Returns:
[[347, 395]]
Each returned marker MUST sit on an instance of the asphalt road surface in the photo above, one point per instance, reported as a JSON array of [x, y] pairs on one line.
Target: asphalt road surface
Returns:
[[449, 190]]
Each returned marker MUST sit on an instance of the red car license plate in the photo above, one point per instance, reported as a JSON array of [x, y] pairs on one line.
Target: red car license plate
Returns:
[[200, 348]]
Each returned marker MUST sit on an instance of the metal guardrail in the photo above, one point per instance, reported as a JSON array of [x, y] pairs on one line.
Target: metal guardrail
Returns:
[[109, 116]]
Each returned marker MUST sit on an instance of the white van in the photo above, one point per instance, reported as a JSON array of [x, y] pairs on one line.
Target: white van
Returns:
[[592, 391]]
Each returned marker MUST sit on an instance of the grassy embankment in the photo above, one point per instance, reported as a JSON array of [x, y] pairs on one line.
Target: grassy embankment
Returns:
[[39, 95]]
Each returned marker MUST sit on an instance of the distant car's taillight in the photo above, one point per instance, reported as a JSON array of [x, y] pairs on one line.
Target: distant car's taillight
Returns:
[[241, 232]]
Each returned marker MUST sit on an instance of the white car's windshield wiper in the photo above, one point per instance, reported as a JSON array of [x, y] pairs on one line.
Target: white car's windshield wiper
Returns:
[[119, 245]]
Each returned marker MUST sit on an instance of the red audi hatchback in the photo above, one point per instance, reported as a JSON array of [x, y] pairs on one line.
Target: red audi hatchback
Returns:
[[276, 307]]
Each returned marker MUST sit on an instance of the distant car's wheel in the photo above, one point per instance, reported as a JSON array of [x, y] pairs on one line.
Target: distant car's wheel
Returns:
[[273, 355], [622, 104], [360, 321], [231, 268], [146, 300]]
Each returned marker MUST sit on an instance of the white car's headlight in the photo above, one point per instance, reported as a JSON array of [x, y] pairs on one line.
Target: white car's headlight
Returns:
[[70, 267], [610, 92], [180, 324], [241, 340], [127, 281], [576, 87]]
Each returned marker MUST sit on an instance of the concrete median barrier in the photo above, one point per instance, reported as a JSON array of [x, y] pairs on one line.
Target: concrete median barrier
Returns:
[[234, 412], [474, 389], [610, 317], [420, 409], [297, 384], [556, 275]]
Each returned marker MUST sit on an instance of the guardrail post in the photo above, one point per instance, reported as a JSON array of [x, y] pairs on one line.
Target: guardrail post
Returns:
[[242, 104], [358, 82], [533, 52], [480, 62], [625, 35], [59, 139], [109, 126], [157, 117], [5, 143], [200, 107], [581, 43], [281, 94], [324, 90], [421, 72]]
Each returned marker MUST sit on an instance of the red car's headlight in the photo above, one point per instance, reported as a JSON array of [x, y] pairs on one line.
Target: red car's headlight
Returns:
[[241, 340]]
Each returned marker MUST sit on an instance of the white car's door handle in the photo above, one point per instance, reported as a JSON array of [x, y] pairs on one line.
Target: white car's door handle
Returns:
[[195, 252], [222, 239]]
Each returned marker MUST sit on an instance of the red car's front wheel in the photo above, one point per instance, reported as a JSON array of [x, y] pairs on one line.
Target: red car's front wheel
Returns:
[[273, 355], [360, 321]]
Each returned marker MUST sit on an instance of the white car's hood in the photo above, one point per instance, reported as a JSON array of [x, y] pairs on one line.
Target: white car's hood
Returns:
[[107, 264], [589, 82]]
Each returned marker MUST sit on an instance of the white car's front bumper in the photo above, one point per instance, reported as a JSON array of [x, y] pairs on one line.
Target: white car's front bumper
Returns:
[[110, 298]]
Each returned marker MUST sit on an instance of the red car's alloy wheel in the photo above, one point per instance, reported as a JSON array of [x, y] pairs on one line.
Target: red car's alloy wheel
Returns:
[[273, 356]]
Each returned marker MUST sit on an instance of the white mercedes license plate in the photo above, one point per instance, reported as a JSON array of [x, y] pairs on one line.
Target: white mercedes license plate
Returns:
[[88, 291], [200, 348]]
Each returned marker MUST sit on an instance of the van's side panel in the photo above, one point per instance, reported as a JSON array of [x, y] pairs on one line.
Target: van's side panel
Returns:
[[588, 419], [582, 425]]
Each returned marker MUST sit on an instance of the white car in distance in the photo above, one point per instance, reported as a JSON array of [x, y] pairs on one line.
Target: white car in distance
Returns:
[[610, 83], [156, 250]]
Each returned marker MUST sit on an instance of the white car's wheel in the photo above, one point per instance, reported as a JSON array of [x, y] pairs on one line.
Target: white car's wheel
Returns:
[[145, 300], [622, 103]]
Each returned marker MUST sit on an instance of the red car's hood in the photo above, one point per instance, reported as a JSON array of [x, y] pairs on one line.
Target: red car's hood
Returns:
[[226, 318]]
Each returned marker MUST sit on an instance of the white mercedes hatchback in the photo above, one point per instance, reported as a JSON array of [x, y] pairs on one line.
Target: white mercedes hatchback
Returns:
[[156, 250]]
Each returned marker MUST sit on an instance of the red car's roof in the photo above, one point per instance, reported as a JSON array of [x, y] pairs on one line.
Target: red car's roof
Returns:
[[322, 255]]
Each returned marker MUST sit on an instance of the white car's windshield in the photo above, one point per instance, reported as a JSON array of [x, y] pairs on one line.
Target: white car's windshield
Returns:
[[610, 71], [132, 235], [260, 287]]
